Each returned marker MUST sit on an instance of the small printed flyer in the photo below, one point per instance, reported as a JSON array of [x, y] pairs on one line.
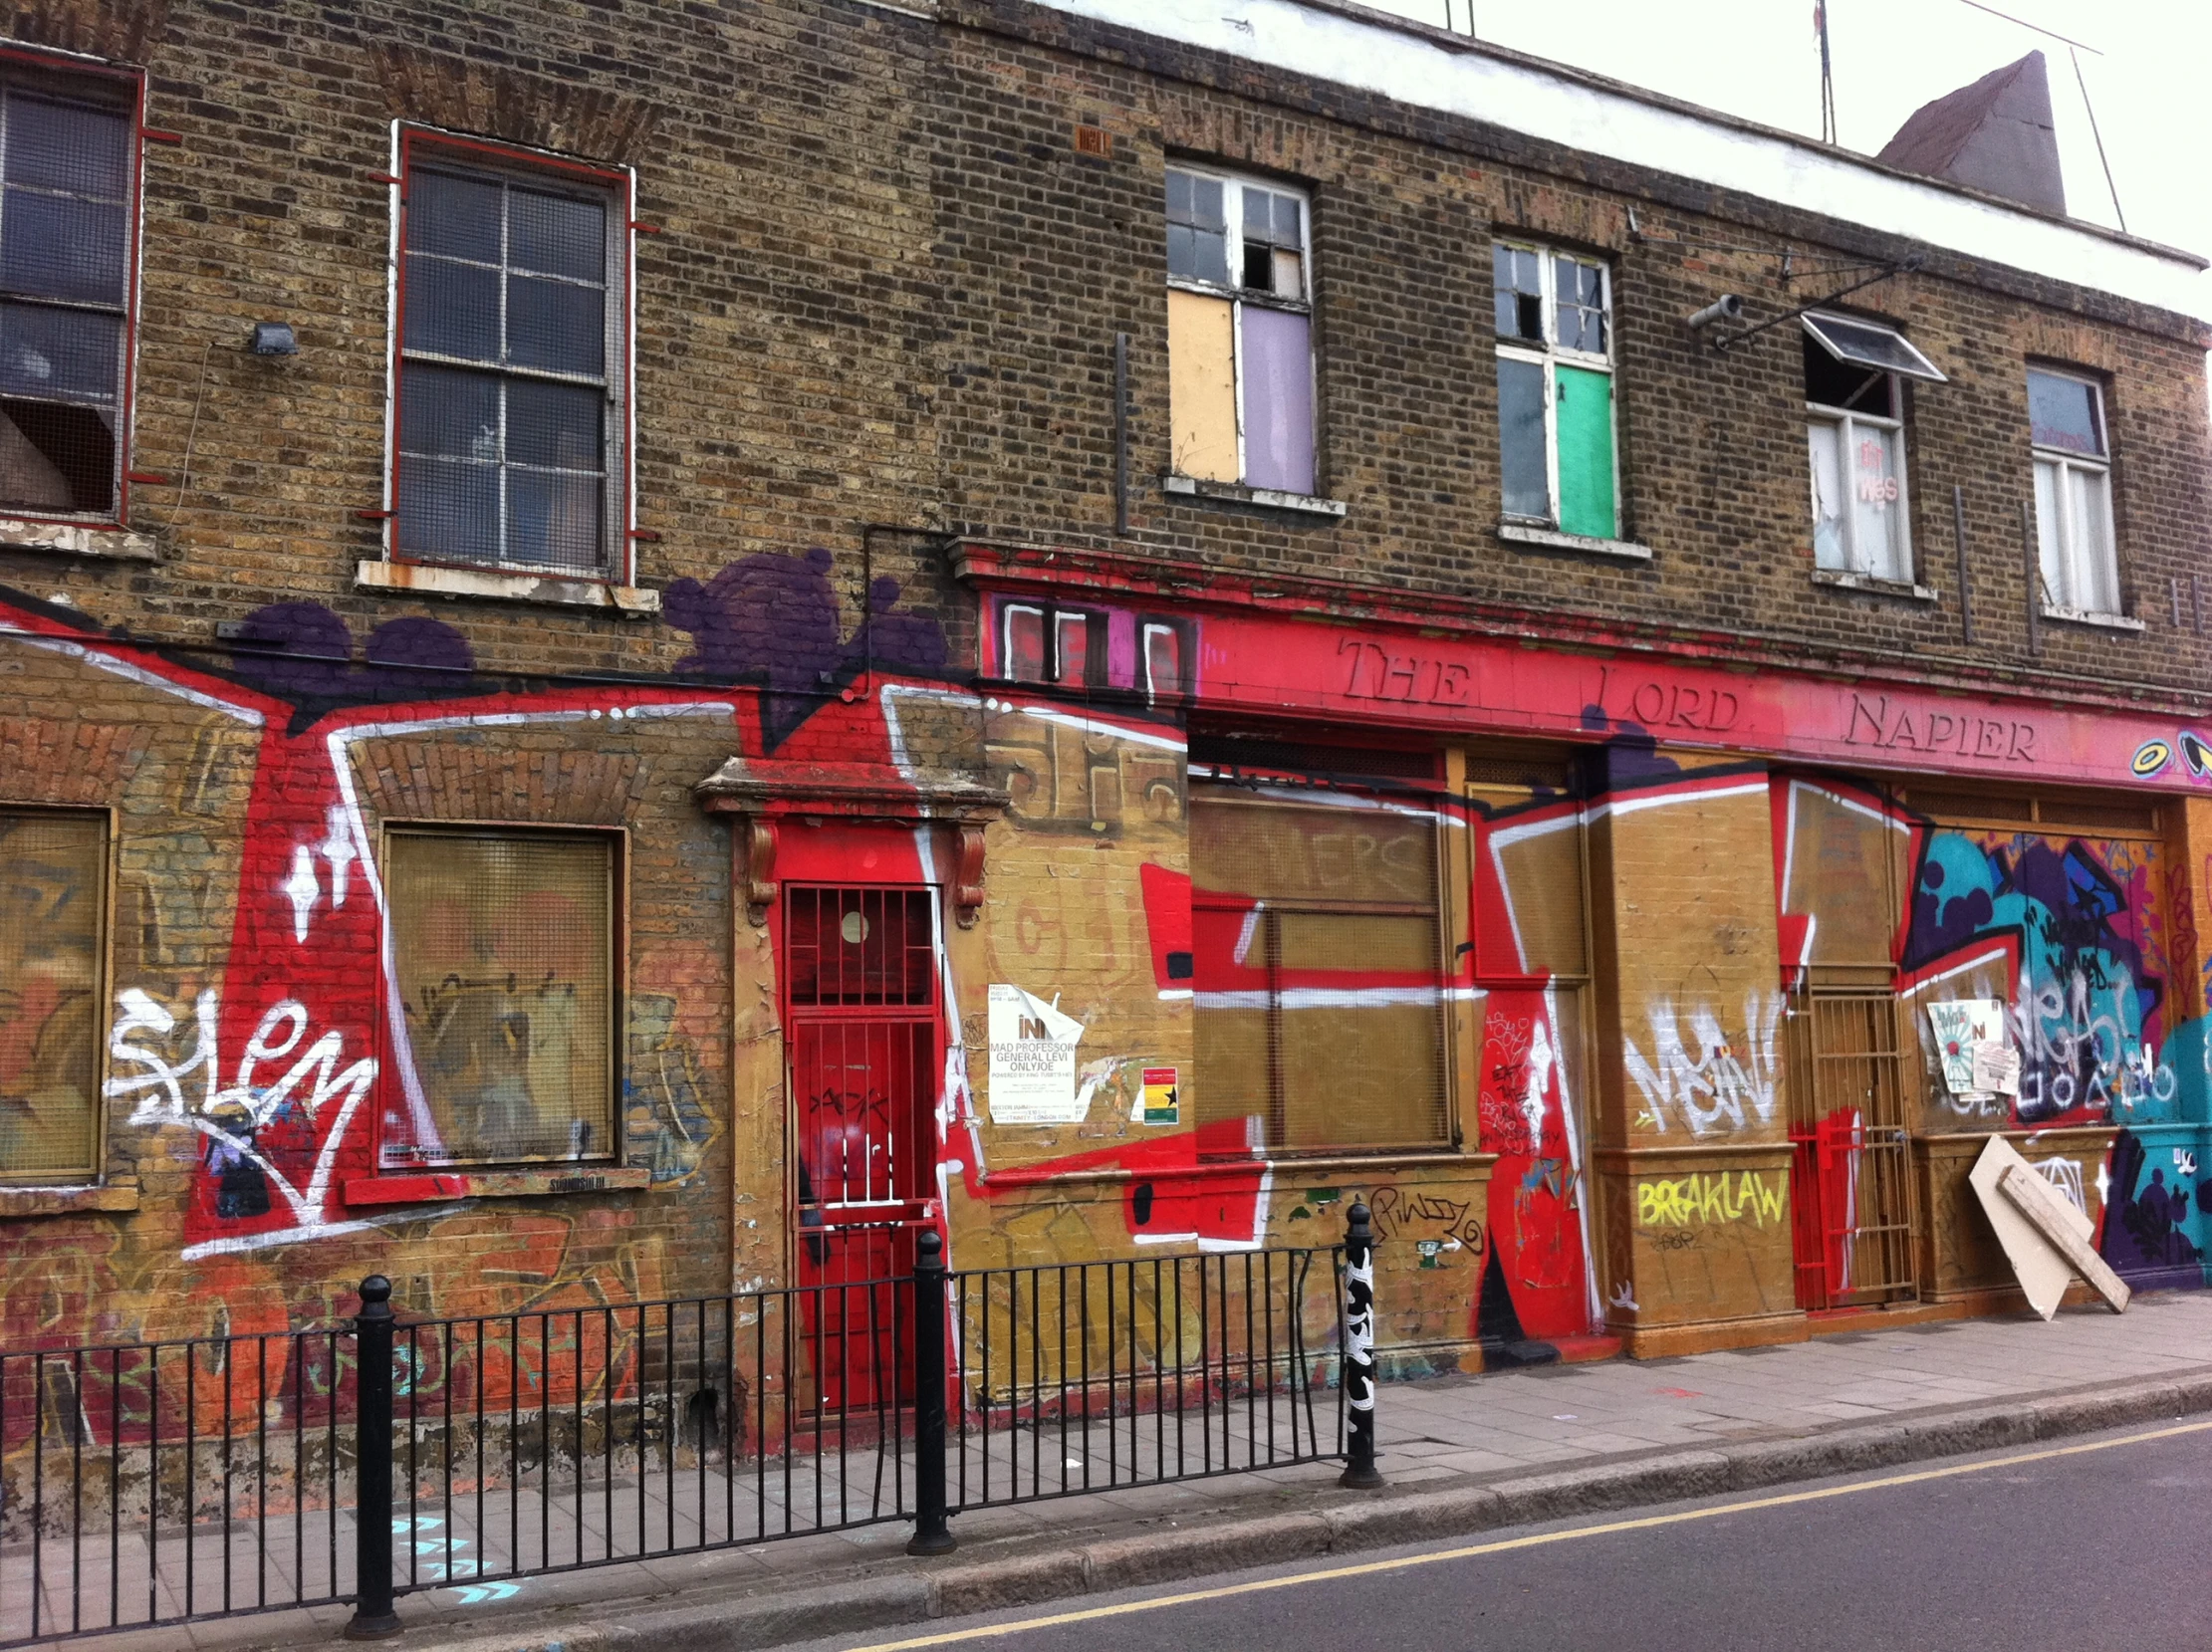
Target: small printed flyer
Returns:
[[1033, 1060]]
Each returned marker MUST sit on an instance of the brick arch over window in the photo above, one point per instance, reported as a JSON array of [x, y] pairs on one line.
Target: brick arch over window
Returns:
[[438, 90]]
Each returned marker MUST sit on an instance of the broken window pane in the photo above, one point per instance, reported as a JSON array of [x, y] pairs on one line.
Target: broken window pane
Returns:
[[1274, 243], [2061, 414], [1823, 438], [1526, 471], [1519, 275], [1580, 305], [1833, 384]]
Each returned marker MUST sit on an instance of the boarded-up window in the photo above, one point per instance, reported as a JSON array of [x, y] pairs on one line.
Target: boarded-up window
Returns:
[[1240, 353], [53, 922], [502, 954], [1320, 1009]]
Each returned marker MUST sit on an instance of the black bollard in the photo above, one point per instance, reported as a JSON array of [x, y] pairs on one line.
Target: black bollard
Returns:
[[931, 1535], [373, 1617]]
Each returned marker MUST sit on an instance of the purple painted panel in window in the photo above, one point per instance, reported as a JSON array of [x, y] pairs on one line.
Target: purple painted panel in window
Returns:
[[1277, 400]]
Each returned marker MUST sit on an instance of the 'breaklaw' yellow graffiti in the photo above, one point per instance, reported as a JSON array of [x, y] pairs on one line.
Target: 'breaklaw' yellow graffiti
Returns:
[[1711, 1200]]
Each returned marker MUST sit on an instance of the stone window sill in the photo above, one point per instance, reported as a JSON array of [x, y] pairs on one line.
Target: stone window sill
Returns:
[[1873, 587], [64, 1201], [76, 539], [435, 1187], [493, 585], [2085, 617], [1305, 504], [1551, 538]]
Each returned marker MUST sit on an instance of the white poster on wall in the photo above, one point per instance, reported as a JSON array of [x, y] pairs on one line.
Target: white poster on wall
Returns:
[[1033, 1060]]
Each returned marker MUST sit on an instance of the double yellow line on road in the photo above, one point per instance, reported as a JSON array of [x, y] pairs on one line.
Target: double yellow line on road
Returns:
[[1646, 1522]]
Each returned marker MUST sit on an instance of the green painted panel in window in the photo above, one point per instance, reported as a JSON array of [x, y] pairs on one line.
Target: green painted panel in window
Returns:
[[1585, 482]]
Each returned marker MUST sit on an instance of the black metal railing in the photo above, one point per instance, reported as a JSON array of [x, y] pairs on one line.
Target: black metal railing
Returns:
[[156, 1483]]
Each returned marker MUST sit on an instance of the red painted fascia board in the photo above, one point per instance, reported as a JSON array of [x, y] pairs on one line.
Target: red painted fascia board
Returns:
[[1022, 568]]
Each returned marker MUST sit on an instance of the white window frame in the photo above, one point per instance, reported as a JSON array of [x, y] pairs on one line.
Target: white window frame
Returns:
[[2066, 464], [1547, 356], [1847, 425], [462, 153], [1232, 216]]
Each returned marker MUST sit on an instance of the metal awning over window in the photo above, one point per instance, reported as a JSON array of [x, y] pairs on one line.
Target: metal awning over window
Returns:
[[1871, 345]]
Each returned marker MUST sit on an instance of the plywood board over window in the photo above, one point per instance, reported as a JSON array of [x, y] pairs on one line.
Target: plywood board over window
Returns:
[[1318, 970], [503, 957], [53, 939]]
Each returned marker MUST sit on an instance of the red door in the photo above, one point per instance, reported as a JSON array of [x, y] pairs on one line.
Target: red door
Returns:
[[862, 998]]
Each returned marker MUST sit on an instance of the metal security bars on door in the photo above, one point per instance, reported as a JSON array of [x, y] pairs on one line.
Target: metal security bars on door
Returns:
[[153, 1484]]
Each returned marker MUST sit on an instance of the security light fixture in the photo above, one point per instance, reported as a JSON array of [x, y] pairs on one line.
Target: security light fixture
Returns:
[[274, 338]]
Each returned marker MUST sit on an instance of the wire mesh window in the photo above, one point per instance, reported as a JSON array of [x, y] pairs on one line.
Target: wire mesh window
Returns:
[[503, 957], [1318, 975], [66, 178], [509, 426], [860, 948], [53, 926]]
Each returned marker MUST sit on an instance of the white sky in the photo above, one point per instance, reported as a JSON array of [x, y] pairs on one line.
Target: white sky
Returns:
[[1758, 58]]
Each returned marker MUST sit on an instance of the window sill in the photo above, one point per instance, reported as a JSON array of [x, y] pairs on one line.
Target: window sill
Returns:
[[76, 539], [1551, 538], [64, 1201], [2083, 616], [435, 1187], [1271, 498], [1873, 587], [431, 579]]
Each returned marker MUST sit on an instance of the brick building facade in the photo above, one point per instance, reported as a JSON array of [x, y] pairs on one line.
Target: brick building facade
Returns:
[[693, 617]]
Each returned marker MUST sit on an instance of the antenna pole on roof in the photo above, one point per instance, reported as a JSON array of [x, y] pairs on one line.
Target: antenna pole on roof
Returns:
[[2098, 135], [1827, 77]]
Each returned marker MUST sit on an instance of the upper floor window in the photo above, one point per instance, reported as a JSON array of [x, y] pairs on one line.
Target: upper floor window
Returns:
[[67, 180], [2073, 492], [1854, 431], [1240, 352], [1555, 389], [52, 944], [511, 431]]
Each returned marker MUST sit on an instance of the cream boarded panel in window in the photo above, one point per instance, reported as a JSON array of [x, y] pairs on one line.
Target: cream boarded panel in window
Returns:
[[1362, 1035], [1295, 853], [53, 921], [504, 956], [1202, 386]]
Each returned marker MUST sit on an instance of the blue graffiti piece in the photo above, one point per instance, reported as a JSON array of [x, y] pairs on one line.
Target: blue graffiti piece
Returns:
[[2084, 996]]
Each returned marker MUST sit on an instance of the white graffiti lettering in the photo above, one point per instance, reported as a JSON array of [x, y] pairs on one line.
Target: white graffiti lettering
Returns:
[[1711, 1089], [142, 1038]]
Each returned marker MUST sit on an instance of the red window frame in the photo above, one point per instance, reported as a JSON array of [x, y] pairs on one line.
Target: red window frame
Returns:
[[621, 184], [16, 60]]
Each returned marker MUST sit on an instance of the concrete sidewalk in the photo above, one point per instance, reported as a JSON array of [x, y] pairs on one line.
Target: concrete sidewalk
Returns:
[[1461, 1454]]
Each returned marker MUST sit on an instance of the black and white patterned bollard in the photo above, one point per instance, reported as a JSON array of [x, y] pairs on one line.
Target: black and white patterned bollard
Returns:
[[1358, 1374]]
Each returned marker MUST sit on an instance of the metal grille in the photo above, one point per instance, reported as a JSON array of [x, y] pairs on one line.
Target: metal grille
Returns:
[[504, 391], [1851, 1173], [53, 892], [64, 235], [1318, 972], [860, 948], [503, 955], [859, 966]]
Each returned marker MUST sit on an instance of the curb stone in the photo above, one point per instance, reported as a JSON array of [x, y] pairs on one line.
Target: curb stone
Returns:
[[746, 1623]]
